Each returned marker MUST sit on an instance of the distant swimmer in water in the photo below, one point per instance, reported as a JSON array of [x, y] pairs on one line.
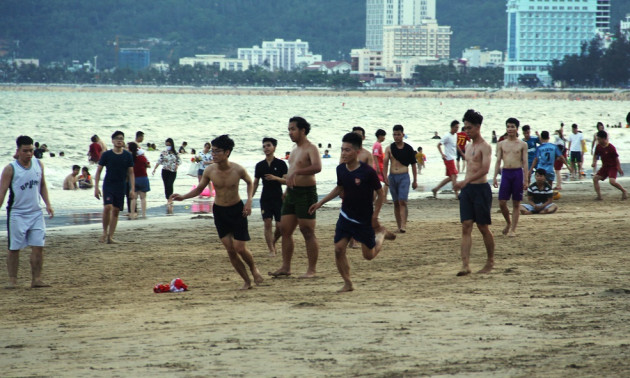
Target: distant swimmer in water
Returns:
[[436, 136], [326, 155]]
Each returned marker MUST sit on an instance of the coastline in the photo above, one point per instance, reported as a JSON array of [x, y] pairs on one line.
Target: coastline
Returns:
[[472, 93], [555, 305]]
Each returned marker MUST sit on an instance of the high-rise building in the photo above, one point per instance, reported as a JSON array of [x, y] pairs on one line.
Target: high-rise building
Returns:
[[425, 40], [603, 15], [135, 59], [279, 54], [624, 26], [540, 31], [381, 13]]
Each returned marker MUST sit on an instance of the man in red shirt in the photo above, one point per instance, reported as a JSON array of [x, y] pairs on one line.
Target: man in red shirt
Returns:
[[462, 139], [94, 154], [610, 165]]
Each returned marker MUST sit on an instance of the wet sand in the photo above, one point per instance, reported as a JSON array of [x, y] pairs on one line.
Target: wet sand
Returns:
[[557, 303]]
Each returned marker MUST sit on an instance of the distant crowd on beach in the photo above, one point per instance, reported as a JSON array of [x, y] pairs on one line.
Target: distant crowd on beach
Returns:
[[528, 166]]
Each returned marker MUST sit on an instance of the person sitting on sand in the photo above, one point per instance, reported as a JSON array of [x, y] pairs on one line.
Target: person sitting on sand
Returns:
[[358, 218], [25, 220], [539, 196], [610, 165], [70, 182], [230, 215]]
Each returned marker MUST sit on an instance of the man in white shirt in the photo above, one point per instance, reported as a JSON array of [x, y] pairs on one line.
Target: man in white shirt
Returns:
[[449, 141], [575, 149]]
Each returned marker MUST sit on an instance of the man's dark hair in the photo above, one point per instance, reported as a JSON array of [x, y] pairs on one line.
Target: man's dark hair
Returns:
[[380, 132], [541, 171], [23, 140], [399, 128], [602, 134], [360, 129], [139, 133], [525, 128], [599, 124], [354, 139], [419, 148], [223, 142], [544, 135], [454, 122], [78, 167], [574, 126], [273, 141], [301, 124], [513, 121], [94, 138], [473, 117], [117, 133]]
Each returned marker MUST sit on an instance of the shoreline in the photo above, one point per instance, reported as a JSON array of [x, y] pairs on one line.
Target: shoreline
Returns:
[[456, 93]]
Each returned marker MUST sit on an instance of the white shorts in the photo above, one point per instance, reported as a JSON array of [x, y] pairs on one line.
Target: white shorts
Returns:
[[26, 230]]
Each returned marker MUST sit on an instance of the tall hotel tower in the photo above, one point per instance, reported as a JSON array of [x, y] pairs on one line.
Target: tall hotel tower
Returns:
[[540, 31], [381, 13]]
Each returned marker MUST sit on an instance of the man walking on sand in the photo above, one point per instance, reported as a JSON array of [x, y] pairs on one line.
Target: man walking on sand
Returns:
[[272, 171], [449, 154], [513, 153], [475, 200], [304, 163], [119, 163], [358, 218], [401, 156], [25, 180], [230, 215], [377, 153]]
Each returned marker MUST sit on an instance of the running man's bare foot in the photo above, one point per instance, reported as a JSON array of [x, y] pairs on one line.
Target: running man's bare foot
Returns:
[[434, 193], [624, 196], [506, 229], [102, 239], [258, 278], [511, 234], [598, 198], [379, 237], [463, 272], [390, 235], [39, 284], [279, 273], [347, 287], [486, 269], [111, 241], [402, 230], [247, 286]]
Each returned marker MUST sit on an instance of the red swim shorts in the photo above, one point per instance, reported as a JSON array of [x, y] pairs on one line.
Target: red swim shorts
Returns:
[[450, 168], [607, 172]]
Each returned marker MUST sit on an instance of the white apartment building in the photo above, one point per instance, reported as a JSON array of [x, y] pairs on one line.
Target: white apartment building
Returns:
[[366, 61], [624, 26], [279, 55], [219, 61], [427, 40], [381, 13], [476, 57], [540, 31]]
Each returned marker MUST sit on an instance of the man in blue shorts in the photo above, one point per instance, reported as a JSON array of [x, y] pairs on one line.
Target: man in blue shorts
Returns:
[[546, 155], [119, 163], [475, 199], [230, 214], [512, 152], [24, 179], [358, 218], [401, 155], [272, 171]]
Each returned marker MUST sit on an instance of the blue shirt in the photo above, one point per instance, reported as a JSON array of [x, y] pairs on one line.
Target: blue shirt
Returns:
[[532, 142], [546, 154]]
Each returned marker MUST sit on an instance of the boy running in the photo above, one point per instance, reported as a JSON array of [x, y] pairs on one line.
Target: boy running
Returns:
[[610, 165], [230, 215]]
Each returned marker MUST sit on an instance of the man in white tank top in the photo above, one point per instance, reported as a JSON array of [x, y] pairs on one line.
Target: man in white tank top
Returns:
[[24, 178]]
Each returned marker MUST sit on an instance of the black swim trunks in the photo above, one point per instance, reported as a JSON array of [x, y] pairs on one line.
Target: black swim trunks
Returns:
[[230, 220], [475, 202]]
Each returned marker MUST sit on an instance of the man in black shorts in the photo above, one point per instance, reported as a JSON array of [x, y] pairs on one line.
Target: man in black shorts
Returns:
[[272, 171], [475, 199], [119, 163], [230, 215]]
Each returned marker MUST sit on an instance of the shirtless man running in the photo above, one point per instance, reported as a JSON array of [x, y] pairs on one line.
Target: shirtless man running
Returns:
[[304, 163], [230, 215], [475, 199], [513, 152]]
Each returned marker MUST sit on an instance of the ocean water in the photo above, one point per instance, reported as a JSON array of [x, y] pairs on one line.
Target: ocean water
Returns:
[[66, 120]]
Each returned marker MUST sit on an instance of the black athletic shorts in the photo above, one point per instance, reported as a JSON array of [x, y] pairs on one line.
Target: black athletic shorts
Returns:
[[271, 209], [475, 203], [230, 220]]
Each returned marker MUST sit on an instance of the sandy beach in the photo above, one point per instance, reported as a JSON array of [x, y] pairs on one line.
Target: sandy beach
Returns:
[[557, 303], [482, 93]]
